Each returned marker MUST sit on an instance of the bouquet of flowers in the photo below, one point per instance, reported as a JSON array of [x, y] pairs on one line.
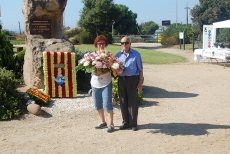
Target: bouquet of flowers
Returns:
[[94, 61], [102, 61]]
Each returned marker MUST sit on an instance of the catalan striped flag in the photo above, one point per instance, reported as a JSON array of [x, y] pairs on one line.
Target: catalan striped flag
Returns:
[[59, 74]]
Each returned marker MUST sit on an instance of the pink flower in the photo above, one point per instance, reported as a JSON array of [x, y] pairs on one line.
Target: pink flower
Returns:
[[119, 70], [98, 64]]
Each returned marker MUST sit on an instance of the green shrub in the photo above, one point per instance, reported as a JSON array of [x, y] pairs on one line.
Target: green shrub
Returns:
[[72, 32], [6, 52], [85, 38], [171, 35], [19, 61], [116, 95], [10, 102], [115, 89], [83, 79]]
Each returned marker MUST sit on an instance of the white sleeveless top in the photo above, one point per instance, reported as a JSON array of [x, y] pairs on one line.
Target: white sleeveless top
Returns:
[[100, 81]]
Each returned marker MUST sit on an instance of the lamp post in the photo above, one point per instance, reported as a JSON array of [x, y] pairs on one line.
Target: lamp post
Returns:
[[113, 22]]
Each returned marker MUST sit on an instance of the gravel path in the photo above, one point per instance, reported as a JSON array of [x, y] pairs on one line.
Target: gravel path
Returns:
[[185, 110]]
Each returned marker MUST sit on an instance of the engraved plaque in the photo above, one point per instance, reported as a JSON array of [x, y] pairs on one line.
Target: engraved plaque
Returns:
[[40, 26]]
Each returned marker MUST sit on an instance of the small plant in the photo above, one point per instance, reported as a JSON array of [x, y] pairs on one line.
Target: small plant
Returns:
[[140, 97], [116, 95]]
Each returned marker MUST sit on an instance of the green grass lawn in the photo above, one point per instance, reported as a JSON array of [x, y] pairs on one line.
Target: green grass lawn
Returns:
[[149, 56]]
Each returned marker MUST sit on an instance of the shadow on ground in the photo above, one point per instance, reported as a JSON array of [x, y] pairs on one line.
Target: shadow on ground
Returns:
[[45, 114], [174, 129], [155, 92]]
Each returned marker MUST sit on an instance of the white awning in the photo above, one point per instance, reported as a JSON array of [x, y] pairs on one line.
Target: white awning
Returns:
[[221, 24]]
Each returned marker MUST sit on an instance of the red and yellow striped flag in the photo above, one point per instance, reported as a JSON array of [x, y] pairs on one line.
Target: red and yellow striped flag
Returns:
[[59, 74]]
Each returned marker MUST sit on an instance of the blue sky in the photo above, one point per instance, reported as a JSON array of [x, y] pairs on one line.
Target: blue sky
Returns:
[[147, 10]]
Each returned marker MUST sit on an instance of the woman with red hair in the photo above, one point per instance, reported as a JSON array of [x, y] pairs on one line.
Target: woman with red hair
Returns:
[[101, 83]]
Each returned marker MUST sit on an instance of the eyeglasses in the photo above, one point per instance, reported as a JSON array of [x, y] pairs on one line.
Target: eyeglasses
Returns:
[[124, 43], [101, 43]]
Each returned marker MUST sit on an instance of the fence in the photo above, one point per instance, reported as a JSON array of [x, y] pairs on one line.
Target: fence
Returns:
[[137, 38]]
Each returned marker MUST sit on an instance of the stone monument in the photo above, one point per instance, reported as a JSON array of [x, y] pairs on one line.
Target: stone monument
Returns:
[[44, 32]]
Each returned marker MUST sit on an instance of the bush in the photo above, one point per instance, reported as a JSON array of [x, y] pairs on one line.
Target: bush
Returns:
[[115, 89], [6, 52], [171, 35], [116, 94], [85, 38], [19, 61], [9, 98], [72, 32], [83, 79]]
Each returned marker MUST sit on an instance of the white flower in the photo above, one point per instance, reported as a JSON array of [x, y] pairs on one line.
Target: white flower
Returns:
[[81, 61], [86, 63], [103, 55], [94, 62], [115, 66], [104, 66]]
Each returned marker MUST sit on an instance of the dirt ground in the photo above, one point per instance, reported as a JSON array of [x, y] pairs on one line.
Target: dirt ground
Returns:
[[185, 110]]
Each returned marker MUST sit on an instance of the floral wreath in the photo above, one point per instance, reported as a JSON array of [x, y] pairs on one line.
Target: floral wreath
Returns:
[[38, 96]]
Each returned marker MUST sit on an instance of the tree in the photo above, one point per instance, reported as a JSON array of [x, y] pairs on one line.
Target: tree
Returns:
[[223, 35], [97, 16], [210, 11], [148, 28], [125, 20]]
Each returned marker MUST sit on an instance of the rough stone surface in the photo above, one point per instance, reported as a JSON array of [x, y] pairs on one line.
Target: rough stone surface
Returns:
[[36, 44], [33, 65], [45, 9]]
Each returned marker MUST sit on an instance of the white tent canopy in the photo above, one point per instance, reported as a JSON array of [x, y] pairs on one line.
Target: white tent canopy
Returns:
[[221, 24]]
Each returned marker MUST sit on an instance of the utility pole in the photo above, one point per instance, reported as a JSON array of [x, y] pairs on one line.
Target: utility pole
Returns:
[[187, 8], [176, 12]]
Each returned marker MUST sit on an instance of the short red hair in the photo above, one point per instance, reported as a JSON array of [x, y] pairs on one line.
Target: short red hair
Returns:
[[100, 38]]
